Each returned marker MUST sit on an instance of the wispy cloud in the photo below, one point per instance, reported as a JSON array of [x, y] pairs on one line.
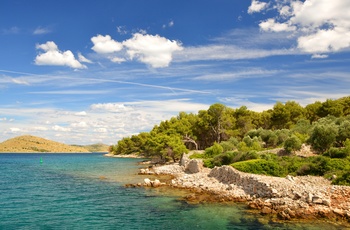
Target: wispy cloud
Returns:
[[41, 30]]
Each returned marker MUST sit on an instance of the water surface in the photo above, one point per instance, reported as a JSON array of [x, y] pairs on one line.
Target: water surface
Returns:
[[86, 191]]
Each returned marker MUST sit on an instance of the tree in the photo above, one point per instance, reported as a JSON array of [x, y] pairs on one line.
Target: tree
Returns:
[[331, 107], [293, 143], [217, 122], [323, 136], [312, 111], [279, 116]]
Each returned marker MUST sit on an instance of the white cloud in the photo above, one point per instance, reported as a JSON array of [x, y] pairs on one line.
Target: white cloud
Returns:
[[82, 113], [15, 130], [83, 59], [256, 6], [111, 107], [19, 81], [117, 59], [53, 56], [101, 130], [105, 44], [81, 124], [60, 128], [272, 25], [153, 50], [40, 128], [319, 56], [321, 26], [236, 75], [41, 30], [227, 52]]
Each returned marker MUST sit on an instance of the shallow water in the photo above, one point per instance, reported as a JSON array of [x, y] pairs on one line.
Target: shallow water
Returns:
[[86, 191]]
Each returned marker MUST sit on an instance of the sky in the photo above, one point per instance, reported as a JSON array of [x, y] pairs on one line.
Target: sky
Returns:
[[92, 71]]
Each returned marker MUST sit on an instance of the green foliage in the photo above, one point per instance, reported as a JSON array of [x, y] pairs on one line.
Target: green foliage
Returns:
[[344, 179], [214, 150], [323, 136], [260, 166], [230, 144], [293, 143], [243, 130]]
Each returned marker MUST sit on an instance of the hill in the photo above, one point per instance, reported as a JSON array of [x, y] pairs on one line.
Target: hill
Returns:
[[95, 148], [33, 144]]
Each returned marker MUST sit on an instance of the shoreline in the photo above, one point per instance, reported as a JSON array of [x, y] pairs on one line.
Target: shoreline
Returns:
[[289, 198], [124, 156]]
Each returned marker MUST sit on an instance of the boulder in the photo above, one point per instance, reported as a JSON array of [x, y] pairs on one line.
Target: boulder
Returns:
[[194, 166], [147, 182], [184, 160]]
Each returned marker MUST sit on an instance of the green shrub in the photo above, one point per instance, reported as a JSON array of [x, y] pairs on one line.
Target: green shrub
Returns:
[[214, 150], [292, 144], [208, 163], [336, 153], [260, 166], [344, 179], [198, 156]]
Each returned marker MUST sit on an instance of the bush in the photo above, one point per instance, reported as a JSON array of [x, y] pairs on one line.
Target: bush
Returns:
[[323, 136], [336, 153], [292, 143], [260, 166], [343, 179], [229, 145], [214, 150]]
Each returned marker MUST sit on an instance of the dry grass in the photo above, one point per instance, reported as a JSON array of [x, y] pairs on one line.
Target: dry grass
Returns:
[[33, 144]]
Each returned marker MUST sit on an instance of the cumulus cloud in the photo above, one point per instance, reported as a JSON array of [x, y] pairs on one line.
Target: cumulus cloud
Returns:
[[53, 56], [256, 6], [152, 50], [272, 25], [321, 26], [105, 44]]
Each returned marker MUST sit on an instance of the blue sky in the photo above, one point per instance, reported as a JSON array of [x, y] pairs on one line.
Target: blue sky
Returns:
[[83, 72]]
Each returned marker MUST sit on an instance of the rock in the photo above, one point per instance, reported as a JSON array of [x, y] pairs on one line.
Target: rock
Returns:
[[155, 183], [266, 210], [309, 198], [317, 200], [147, 182], [290, 178], [184, 160], [326, 202], [194, 166]]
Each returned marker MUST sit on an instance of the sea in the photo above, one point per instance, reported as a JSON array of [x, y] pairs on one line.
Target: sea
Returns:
[[87, 191]]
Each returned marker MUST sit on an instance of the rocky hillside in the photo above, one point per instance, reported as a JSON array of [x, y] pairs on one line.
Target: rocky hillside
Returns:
[[33, 144]]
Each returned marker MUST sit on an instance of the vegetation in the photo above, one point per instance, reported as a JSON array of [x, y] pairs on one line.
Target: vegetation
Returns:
[[33, 144], [244, 138]]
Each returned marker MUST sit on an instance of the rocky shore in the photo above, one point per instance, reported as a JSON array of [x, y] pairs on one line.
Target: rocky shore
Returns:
[[304, 197]]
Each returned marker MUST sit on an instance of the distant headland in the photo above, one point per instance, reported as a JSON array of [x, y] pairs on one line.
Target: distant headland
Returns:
[[34, 144]]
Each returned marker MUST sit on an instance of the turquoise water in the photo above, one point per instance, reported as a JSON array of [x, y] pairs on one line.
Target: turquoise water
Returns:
[[86, 191]]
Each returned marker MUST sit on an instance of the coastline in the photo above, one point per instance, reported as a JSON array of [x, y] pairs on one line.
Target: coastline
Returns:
[[123, 156], [290, 198]]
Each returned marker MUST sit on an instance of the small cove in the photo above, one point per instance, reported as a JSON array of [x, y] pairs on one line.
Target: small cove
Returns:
[[86, 191]]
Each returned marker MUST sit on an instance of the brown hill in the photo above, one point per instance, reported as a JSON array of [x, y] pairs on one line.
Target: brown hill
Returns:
[[33, 144]]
